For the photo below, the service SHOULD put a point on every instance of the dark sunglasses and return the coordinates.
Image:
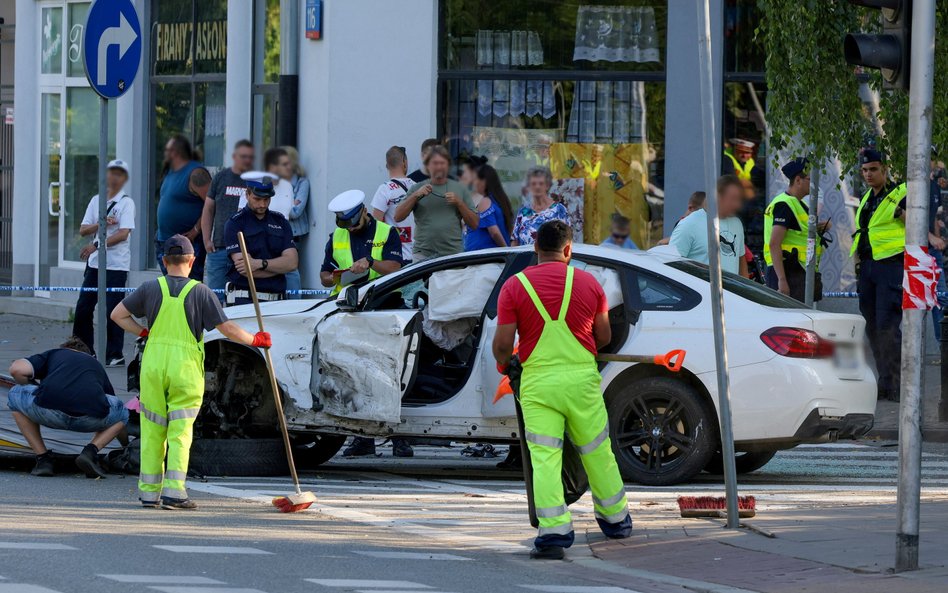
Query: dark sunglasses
(620, 237)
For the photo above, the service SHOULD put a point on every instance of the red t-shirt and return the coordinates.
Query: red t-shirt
(549, 280)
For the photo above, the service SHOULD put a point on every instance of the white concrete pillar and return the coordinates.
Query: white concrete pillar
(28, 196)
(239, 93)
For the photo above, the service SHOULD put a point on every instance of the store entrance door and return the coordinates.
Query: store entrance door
(49, 234)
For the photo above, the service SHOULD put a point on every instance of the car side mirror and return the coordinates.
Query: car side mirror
(351, 298)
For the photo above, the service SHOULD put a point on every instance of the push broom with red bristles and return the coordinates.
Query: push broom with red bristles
(299, 501)
(715, 507)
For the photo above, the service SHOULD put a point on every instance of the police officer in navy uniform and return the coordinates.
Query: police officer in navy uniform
(878, 245)
(359, 250)
(269, 244)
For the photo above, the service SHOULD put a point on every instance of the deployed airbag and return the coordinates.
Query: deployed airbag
(456, 294)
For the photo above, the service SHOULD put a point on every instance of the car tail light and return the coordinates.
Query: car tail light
(797, 343)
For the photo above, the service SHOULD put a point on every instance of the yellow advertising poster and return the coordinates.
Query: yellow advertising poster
(616, 180)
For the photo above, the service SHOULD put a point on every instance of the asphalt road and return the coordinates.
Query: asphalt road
(438, 522)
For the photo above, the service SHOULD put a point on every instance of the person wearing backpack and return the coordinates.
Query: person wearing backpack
(390, 194)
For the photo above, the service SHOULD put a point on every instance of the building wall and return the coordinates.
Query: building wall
(370, 83)
(26, 139)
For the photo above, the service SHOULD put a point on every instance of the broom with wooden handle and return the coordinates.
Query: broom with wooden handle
(299, 501)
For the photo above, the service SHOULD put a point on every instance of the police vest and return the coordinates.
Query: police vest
(794, 239)
(744, 172)
(886, 232)
(342, 249)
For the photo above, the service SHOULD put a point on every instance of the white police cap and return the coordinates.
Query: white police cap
(347, 201)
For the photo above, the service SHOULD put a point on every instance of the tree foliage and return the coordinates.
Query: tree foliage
(813, 94)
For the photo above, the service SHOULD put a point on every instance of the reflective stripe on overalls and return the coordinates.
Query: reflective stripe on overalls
(559, 393)
(172, 386)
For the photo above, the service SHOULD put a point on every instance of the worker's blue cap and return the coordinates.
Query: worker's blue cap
(871, 155)
(260, 183)
(178, 245)
(795, 167)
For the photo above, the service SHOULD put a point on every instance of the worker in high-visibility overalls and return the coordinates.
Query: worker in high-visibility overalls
(560, 385)
(178, 311)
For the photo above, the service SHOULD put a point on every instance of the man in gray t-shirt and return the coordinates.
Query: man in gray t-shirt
(203, 309)
(221, 204)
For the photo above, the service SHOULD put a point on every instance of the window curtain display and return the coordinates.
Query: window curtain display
(612, 112)
(616, 34)
(508, 48)
(516, 97)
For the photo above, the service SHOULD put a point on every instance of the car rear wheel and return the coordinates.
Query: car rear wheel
(311, 451)
(663, 431)
(746, 461)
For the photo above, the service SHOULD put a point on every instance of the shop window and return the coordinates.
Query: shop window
(52, 47)
(266, 73)
(574, 86)
(188, 73)
(743, 48)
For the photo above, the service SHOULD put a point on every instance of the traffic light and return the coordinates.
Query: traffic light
(888, 52)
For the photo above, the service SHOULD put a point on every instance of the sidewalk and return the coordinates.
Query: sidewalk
(841, 549)
(886, 425)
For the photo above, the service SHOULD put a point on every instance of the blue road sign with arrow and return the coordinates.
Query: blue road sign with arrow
(112, 47)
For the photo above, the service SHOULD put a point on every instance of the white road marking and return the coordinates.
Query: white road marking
(568, 589)
(367, 584)
(411, 555)
(206, 590)
(21, 588)
(155, 579)
(212, 550)
(33, 546)
(391, 591)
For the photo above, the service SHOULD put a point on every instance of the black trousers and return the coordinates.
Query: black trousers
(880, 302)
(85, 309)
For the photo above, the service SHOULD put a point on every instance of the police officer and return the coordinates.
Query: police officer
(359, 250)
(178, 310)
(269, 241)
(562, 317)
(786, 231)
(878, 245)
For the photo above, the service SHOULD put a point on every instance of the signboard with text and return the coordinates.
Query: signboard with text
(314, 19)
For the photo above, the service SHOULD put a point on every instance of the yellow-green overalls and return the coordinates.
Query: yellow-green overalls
(560, 392)
(172, 387)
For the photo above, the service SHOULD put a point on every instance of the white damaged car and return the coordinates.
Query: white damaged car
(409, 355)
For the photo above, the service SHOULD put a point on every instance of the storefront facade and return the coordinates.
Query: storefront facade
(604, 93)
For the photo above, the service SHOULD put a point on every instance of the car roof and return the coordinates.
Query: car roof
(650, 259)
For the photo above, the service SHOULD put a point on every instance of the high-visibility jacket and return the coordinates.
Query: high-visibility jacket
(794, 239)
(744, 172)
(342, 249)
(886, 232)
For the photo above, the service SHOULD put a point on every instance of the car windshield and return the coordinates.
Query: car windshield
(742, 287)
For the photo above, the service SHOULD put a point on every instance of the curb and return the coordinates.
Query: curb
(929, 434)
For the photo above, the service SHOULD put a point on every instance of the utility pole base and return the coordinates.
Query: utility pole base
(906, 552)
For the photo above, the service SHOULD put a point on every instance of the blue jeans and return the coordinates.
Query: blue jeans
(22, 399)
(215, 268)
(293, 283)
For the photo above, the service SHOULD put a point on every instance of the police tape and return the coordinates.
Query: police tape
(303, 292)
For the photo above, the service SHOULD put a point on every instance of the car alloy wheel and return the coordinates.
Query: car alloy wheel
(662, 431)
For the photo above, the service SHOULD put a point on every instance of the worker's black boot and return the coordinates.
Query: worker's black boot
(44, 465)
(88, 462)
(547, 553)
(360, 447)
(177, 504)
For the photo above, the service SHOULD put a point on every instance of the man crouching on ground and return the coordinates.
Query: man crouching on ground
(73, 393)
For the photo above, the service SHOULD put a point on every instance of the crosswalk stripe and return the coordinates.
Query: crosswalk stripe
(212, 549)
(576, 589)
(411, 555)
(23, 588)
(33, 546)
(190, 589)
(367, 584)
(149, 579)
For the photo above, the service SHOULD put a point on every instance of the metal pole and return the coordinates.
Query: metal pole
(709, 140)
(101, 307)
(811, 236)
(922, 71)
(288, 97)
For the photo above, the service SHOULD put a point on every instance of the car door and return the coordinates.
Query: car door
(366, 362)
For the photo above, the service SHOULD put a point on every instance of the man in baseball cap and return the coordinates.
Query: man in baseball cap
(178, 311)
(120, 220)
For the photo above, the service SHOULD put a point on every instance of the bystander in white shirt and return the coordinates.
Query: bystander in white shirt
(121, 210)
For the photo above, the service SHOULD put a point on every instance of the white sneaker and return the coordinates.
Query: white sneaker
(115, 362)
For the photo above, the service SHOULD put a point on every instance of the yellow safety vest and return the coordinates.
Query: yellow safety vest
(886, 232)
(342, 250)
(794, 239)
(744, 172)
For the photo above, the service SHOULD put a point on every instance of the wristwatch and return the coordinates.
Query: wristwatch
(264, 263)
(370, 259)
